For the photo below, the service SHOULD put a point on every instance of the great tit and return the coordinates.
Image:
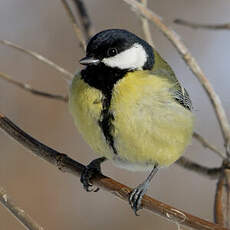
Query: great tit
(129, 107)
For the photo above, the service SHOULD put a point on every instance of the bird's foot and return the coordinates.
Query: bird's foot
(136, 196)
(90, 171)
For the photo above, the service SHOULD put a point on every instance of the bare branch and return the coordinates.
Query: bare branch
(76, 28)
(66, 164)
(28, 88)
(17, 212)
(225, 26)
(222, 198)
(192, 63)
(211, 173)
(205, 144)
(84, 18)
(68, 75)
(145, 26)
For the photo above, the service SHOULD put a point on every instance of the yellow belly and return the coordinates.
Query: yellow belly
(148, 127)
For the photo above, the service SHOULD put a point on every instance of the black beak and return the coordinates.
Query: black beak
(89, 61)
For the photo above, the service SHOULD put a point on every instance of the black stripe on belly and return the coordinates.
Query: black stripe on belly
(106, 123)
(104, 78)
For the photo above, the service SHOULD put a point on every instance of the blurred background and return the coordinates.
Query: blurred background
(57, 200)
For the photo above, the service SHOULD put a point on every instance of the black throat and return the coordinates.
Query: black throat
(104, 78)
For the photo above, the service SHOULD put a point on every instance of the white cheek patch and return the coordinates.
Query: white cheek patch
(133, 58)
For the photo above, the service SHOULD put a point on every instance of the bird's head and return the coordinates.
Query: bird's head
(116, 48)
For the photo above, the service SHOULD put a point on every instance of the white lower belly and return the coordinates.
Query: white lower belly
(122, 163)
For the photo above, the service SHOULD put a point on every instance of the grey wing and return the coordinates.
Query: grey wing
(181, 95)
(179, 92)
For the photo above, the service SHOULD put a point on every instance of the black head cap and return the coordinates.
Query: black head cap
(114, 41)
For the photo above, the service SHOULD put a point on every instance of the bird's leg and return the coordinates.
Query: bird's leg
(92, 169)
(136, 195)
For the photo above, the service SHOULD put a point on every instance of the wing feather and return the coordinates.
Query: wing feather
(162, 69)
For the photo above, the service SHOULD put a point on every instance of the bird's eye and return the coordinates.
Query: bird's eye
(112, 52)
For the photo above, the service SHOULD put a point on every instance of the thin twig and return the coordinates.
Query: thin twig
(225, 26)
(68, 75)
(206, 144)
(192, 63)
(28, 88)
(66, 164)
(145, 26)
(76, 28)
(27, 221)
(84, 18)
(211, 173)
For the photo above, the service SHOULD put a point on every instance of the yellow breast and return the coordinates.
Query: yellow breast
(85, 104)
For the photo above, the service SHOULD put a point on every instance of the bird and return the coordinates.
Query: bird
(130, 108)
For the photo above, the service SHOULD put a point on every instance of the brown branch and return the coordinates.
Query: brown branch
(145, 26)
(218, 209)
(28, 88)
(225, 26)
(74, 23)
(17, 212)
(66, 164)
(205, 144)
(68, 75)
(222, 198)
(85, 21)
(193, 65)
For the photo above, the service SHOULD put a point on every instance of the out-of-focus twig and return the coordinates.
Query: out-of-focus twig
(193, 65)
(218, 209)
(84, 18)
(225, 26)
(145, 26)
(222, 198)
(66, 164)
(17, 212)
(75, 25)
(68, 75)
(206, 144)
(211, 173)
(28, 88)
